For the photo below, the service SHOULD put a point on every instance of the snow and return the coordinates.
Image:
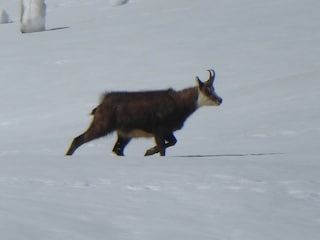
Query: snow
(248, 169)
(4, 17)
(33, 16)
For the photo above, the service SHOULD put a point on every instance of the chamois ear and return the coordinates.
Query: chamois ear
(199, 82)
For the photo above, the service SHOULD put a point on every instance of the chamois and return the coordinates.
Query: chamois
(147, 114)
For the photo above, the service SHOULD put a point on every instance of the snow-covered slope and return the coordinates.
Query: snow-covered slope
(245, 170)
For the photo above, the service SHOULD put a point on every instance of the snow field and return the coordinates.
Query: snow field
(246, 170)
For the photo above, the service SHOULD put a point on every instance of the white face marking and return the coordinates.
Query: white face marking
(203, 100)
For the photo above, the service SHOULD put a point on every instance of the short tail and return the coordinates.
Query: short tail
(93, 111)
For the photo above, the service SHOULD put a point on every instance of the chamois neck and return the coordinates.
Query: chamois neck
(189, 98)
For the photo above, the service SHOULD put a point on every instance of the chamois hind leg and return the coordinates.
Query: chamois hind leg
(160, 141)
(98, 128)
(120, 144)
(77, 142)
(87, 136)
(170, 140)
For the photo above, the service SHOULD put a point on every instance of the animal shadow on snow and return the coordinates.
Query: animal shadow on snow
(228, 155)
(57, 28)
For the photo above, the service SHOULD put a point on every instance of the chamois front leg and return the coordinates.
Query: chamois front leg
(170, 140)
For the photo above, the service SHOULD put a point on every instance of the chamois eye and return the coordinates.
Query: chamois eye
(208, 90)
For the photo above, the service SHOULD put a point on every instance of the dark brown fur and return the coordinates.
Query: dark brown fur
(141, 114)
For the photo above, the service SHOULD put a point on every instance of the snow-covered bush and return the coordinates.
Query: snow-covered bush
(4, 17)
(33, 14)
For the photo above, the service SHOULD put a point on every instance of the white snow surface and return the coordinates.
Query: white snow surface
(247, 170)
(33, 16)
(4, 17)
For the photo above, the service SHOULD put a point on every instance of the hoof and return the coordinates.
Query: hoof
(151, 151)
(118, 152)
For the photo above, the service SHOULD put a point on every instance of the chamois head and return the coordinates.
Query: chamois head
(207, 95)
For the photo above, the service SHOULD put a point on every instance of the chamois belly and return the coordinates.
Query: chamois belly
(135, 133)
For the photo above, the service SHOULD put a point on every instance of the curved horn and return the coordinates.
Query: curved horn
(212, 75)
